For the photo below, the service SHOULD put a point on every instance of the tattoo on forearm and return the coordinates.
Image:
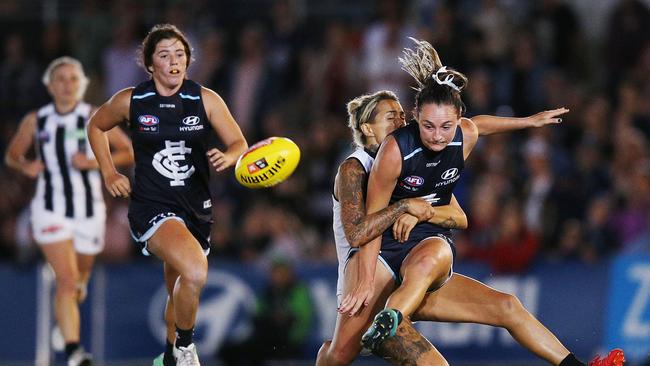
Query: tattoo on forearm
(406, 348)
(449, 223)
(359, 227)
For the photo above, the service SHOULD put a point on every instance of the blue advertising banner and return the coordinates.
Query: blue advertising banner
(628, 313)
(123, 316)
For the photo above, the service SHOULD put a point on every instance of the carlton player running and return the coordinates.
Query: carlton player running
(171, 119)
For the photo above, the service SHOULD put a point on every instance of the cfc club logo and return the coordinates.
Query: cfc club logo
(449, 173)
(148, 123)
(166, 162)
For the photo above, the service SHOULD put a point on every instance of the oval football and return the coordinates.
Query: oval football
(267, 163)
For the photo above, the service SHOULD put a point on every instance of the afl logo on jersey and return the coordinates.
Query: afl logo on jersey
(191, 124)
(148, 123)
(414, 181)
(449, 173)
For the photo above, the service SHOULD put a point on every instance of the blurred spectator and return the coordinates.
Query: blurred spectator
(119, 69)
(251, 82)
(284, 316)
(211, 69)
(539, 183)
(513, 247)
(520, 78)
(495, 26)
(20, 85)
(627, 34)
(286, 41)
(333, 72)
(90, 30)
(600, 239)
(382, 43)
(558, 31)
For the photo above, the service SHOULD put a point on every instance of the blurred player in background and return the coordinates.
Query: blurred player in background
(68, 214)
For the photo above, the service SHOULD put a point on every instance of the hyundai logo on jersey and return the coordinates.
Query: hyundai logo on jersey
(191, 124)
(449, 173)
(148, 123)
(191, 120)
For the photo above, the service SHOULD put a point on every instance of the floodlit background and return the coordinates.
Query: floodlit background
(559, 216)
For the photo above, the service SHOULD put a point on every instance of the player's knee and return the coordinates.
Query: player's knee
(67, 285)
(195, 274)
(341, 355)
(427, 267)
(510, 309)
(322, 353)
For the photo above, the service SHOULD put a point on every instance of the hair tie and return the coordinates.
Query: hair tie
(448, 79)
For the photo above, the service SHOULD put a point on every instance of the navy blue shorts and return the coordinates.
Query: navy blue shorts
(393, 252)
(146, 218)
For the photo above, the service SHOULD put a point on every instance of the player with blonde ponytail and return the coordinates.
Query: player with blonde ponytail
(426, 158)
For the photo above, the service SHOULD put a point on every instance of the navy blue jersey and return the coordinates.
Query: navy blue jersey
(425, 172)
(170, 140)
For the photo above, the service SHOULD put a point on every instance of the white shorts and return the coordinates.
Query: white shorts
(87, 234)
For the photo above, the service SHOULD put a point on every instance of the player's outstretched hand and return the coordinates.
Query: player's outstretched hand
(548, 117)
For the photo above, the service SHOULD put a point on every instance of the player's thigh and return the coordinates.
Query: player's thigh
(349, 329)
(431, 260)
(463, 299)
(175, 245)
(62, 258)
(85, 264)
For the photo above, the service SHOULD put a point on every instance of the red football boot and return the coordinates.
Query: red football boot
(616, 357)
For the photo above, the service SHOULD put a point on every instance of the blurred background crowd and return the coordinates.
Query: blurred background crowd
(578, 191)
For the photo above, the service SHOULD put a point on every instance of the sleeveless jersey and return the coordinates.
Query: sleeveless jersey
(61, 188)
(343, 248)
(170, 139)
(426, 173)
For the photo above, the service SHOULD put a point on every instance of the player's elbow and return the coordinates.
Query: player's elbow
(462, 221)
(354, 241)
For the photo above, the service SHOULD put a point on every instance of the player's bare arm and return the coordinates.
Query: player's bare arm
(488, 125)
(360, 228)
(112, 113)
(20, 144)
(226, 128)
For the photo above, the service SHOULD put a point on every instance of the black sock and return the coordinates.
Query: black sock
(184, 337)
(571, 360)
(168, 358)
(70, 348)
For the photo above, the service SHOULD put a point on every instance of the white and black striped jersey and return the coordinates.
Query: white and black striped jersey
(61, 188)
(342, 246)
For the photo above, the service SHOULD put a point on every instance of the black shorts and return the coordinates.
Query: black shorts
(393, 252)
(146, 217)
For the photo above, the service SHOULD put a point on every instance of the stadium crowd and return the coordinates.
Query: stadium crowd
(575, 191)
